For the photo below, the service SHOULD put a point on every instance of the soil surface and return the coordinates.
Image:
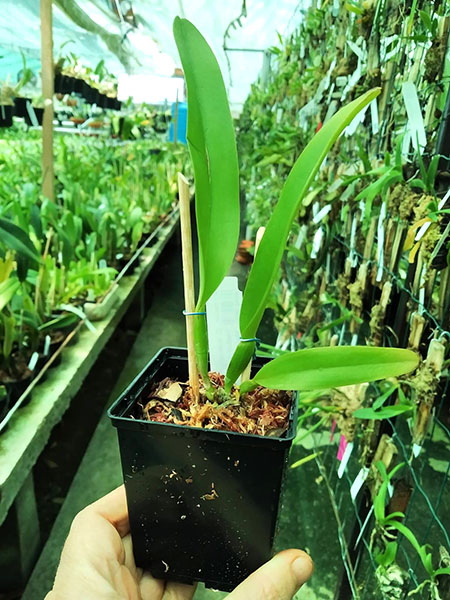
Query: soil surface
(260, 412)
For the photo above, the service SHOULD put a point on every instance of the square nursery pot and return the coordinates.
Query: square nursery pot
(203, 504)
(38, 113)
(20, 106)
(6, 115)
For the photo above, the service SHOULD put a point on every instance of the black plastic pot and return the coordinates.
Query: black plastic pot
(203, 504)
(102, 100)
(6, 115)
(39, 112)
(16, 389)
(21, 106)
(89, 93)
(78, 85)
(4, 403)
(58, 87)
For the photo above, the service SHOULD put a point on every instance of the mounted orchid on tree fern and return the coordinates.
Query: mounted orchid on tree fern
(212, 144)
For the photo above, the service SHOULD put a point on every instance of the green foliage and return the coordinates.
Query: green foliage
(390, 523)
(56, 255)
(211, 139)
(324, 368)
(267, 261)
(212, 146)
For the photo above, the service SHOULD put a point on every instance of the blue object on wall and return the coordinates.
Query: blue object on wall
(181, 124)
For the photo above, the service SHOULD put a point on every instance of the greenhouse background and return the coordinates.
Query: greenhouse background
(93, 113)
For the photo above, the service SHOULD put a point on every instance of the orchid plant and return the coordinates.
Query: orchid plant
(212, 144)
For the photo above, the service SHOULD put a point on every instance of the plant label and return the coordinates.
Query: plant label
(32, 114)
(345, 455)
(415, 120)
(380, 246)
(351, 129)
(359, 481)
(374, 116)
(223, 323)
(48, 341)
(33, 361)
(317, 242)
(322, 213)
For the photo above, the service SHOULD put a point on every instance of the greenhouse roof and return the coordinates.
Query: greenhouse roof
(135, 36)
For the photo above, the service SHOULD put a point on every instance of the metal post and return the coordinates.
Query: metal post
(47, 71)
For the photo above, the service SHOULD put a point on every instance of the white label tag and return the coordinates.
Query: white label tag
(358, 51)
(350, 129)
(358, 483)
(32, 114)
(415, 119)
(380, 247)
(374, 116)
(353, 256)
(390, 489)
(317, 242)
(33, 361)
(223, 323)
(345, 459)
(301, 236)
(322, 213)
(416, 449)
(48, 341)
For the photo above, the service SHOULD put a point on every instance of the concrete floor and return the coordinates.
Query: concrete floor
(100, 471)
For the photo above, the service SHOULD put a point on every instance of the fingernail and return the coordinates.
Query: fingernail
(302, 568)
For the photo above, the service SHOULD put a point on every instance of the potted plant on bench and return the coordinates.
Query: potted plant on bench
(203, 461)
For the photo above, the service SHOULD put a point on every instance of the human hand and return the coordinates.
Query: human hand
(97, 563)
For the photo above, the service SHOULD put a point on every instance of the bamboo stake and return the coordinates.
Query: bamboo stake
(396, 246)
(188, 279)
(247, 371)
(47, 92)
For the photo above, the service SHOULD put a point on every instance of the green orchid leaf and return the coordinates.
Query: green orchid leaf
(331, 367)
(421, 550)
(378, 403)
(267, 261)
(35, 220)
(17, 239)
(443, 571)
(7, 290)
(212, 144)
(9, 328)
(379, 502)
(387, 557)
(384, 413)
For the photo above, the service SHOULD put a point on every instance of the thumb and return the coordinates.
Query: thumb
(279, 578)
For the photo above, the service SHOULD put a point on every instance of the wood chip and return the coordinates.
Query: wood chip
(172, 393)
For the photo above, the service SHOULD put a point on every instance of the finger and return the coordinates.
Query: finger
(151, 588)
(279, 578)
(113, 507)
(179, 591)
